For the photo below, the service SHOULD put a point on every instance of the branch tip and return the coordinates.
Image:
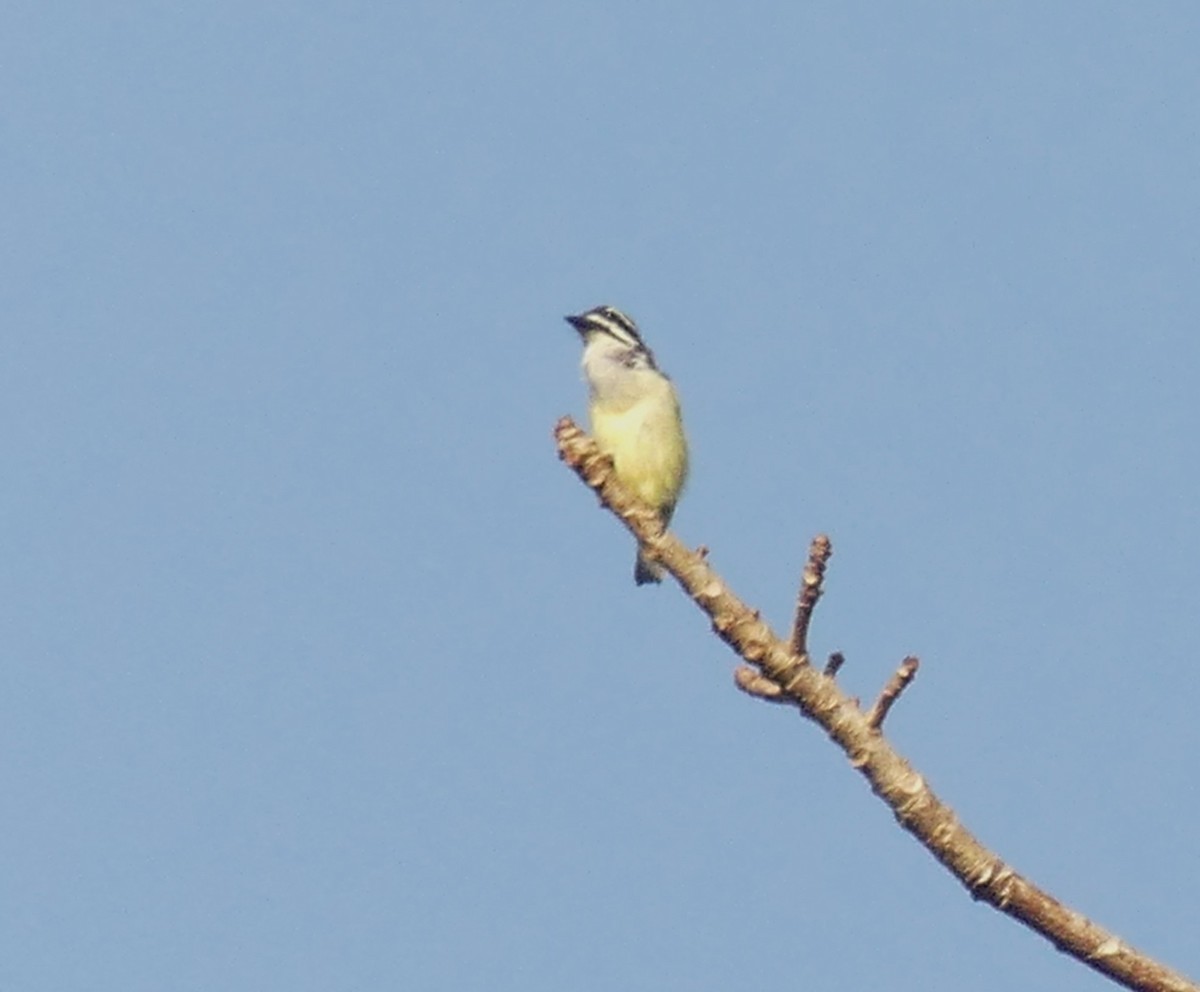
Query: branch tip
(754, 683)
(891, 692)
(810, 591)
(834, 664)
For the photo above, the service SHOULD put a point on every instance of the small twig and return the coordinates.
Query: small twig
(834, 664)
(810, 591)
(891, 692)
(754, 683)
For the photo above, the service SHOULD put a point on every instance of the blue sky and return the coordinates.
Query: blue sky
(320, 672)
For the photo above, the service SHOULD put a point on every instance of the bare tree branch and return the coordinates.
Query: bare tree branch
(834, 664)
(810, 591)
(891, 692)
(754, 683)
(818, 697)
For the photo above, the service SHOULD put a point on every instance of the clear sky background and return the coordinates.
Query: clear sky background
(321, 673)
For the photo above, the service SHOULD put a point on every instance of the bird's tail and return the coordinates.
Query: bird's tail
(646, 571)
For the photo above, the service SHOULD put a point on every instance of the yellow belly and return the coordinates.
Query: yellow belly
(648, 449)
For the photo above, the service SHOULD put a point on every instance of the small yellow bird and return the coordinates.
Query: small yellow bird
(634, 412)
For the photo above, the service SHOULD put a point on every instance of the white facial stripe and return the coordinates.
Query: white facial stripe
(612, 322)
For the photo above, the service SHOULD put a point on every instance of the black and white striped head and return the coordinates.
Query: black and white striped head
(615, 333)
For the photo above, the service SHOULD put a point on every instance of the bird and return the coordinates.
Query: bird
(635, 417)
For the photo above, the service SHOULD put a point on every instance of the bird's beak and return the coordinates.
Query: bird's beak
(576, 321)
